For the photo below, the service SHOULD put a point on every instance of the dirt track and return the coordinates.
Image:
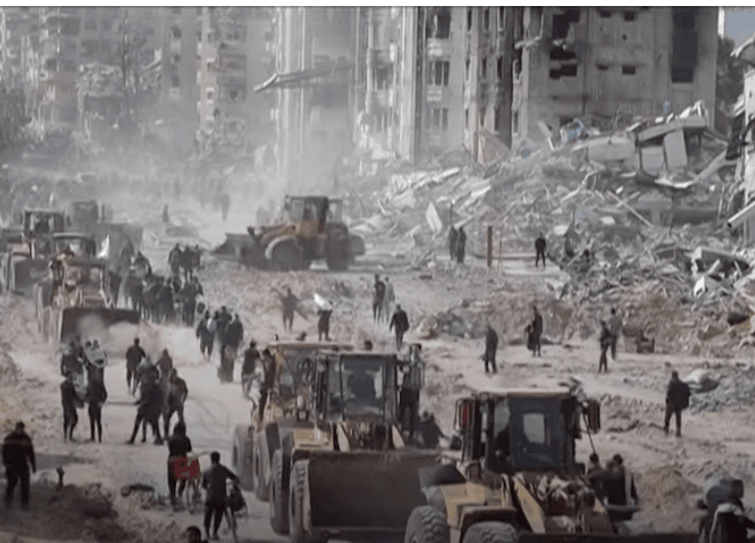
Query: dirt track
(667, 468)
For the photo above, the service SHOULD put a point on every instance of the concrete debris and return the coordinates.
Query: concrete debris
(734, 389)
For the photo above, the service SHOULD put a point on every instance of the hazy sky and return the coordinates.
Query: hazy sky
(740, 24)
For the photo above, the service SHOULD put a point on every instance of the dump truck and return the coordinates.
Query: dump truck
(518, 478)
(79, 301)
(255, 444)
(29, 249)
(312, 229)
(352, 476)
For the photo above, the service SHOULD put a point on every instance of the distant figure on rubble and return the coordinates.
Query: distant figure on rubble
(377, 299)
(323, 323)
(400, 322)
(453, 240)
(568, 248)
(166, 217)
(534, 332)
(491, 345)
(614, 326)
(289, 302)
(605, 343)
(461, 244)
(619, 483)
(677, 399)
(540, 249)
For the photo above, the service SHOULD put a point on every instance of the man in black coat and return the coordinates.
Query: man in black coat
(70, 402)
(251, 357)
(491, 345)
(96, 396)
(537, 331)
(677, 399)
(150, 408)
(18, 453)
(540, 249)
(400, 322)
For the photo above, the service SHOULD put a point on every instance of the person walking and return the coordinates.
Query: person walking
(605, 343)
(677, 399)
(70, 402)
(389, 298)
(540, 249)
(96, 397)
(96, 362)
(289, 302)
(323, 323)
(537, 330)
(214, 480)
(400, 322)
(491, 345)
(453, 240)
(205, 335)
(377, 299)
(18, 454)
(614, 326)
(165, 366)
(134, 356)
(461, 245)
(268, 380)
(179, 445)
(249, 367)
(149, 409)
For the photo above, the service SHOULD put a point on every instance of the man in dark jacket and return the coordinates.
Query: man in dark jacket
(214, 480)
(377, 299)
(179, 445)
(400, 322)
(204, 335)
(491, 345)
(323, 323)
(605, 343)
(96, 397)
(18, 453)
(234, 334)
(461, 244)
(677, 399)
(251, 356)
(150, 407)
(540, 249)
(224, 318)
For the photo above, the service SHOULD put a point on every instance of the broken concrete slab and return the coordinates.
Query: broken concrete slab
(675, 151)
(652, 159)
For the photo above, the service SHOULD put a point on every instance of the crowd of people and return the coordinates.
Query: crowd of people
(221, 332)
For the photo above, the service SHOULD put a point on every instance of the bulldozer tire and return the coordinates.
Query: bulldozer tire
(490, 532)
(337, 263)
(242, 457)
(279, 487)
(286, 257)
(297, 530)
(261, 490)
(426, 525)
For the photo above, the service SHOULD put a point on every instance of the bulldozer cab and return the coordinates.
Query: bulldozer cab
(521, 431)
(84, 213)
(81, 245)
(311, 214)
(42, 222)
(356, 386)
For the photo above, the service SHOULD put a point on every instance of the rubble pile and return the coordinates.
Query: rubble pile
(642, 208)
(737, 388)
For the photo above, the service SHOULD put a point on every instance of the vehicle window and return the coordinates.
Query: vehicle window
(362, 383)
(535, 429)
(297, 210)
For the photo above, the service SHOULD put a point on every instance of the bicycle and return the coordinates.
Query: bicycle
(191, 472)
(235, 506)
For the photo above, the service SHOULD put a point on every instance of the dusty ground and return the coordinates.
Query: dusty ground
(669, 470)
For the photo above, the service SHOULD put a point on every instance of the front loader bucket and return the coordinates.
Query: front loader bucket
(365, 490)
(590, 538)
(241, 248)
(93, 321)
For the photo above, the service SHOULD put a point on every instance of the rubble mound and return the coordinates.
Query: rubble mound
(737, 388)
(668, 501)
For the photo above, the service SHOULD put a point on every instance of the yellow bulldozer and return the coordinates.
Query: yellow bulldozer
(76, 301)
(312, 229)
(351, 475)
(518, 479)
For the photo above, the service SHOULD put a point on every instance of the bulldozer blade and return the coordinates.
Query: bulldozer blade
(241, 248)
(89, 321)
(365, 490)
(600, 538)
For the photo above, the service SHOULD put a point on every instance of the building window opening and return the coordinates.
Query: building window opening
(469, 18)
(175, 81)
(486, 19)
(569, 70)
(682, 75)
(499, 68)
(559, 53)
(561, 23)
(684, 39)
(484, 69)
(630, 16)
(176, 59)
(497, 120)
(517, 65)
(439, 119)
(466, 118)
(604, 13)
(628, 70)
(440, 24)
(438, 73)
(515, 122)
(382, 78)
(175, 32)
(501, 19)
(602, 67)
(466, 68)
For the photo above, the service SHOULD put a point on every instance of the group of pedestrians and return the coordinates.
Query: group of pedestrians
(383, 298)
(457, 243)
(224, 330)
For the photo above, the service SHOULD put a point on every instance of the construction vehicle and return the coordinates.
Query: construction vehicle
(29, 249)
(351, 476)
(255, 444)
(518, 478)
(311, 229)
(79, 302)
